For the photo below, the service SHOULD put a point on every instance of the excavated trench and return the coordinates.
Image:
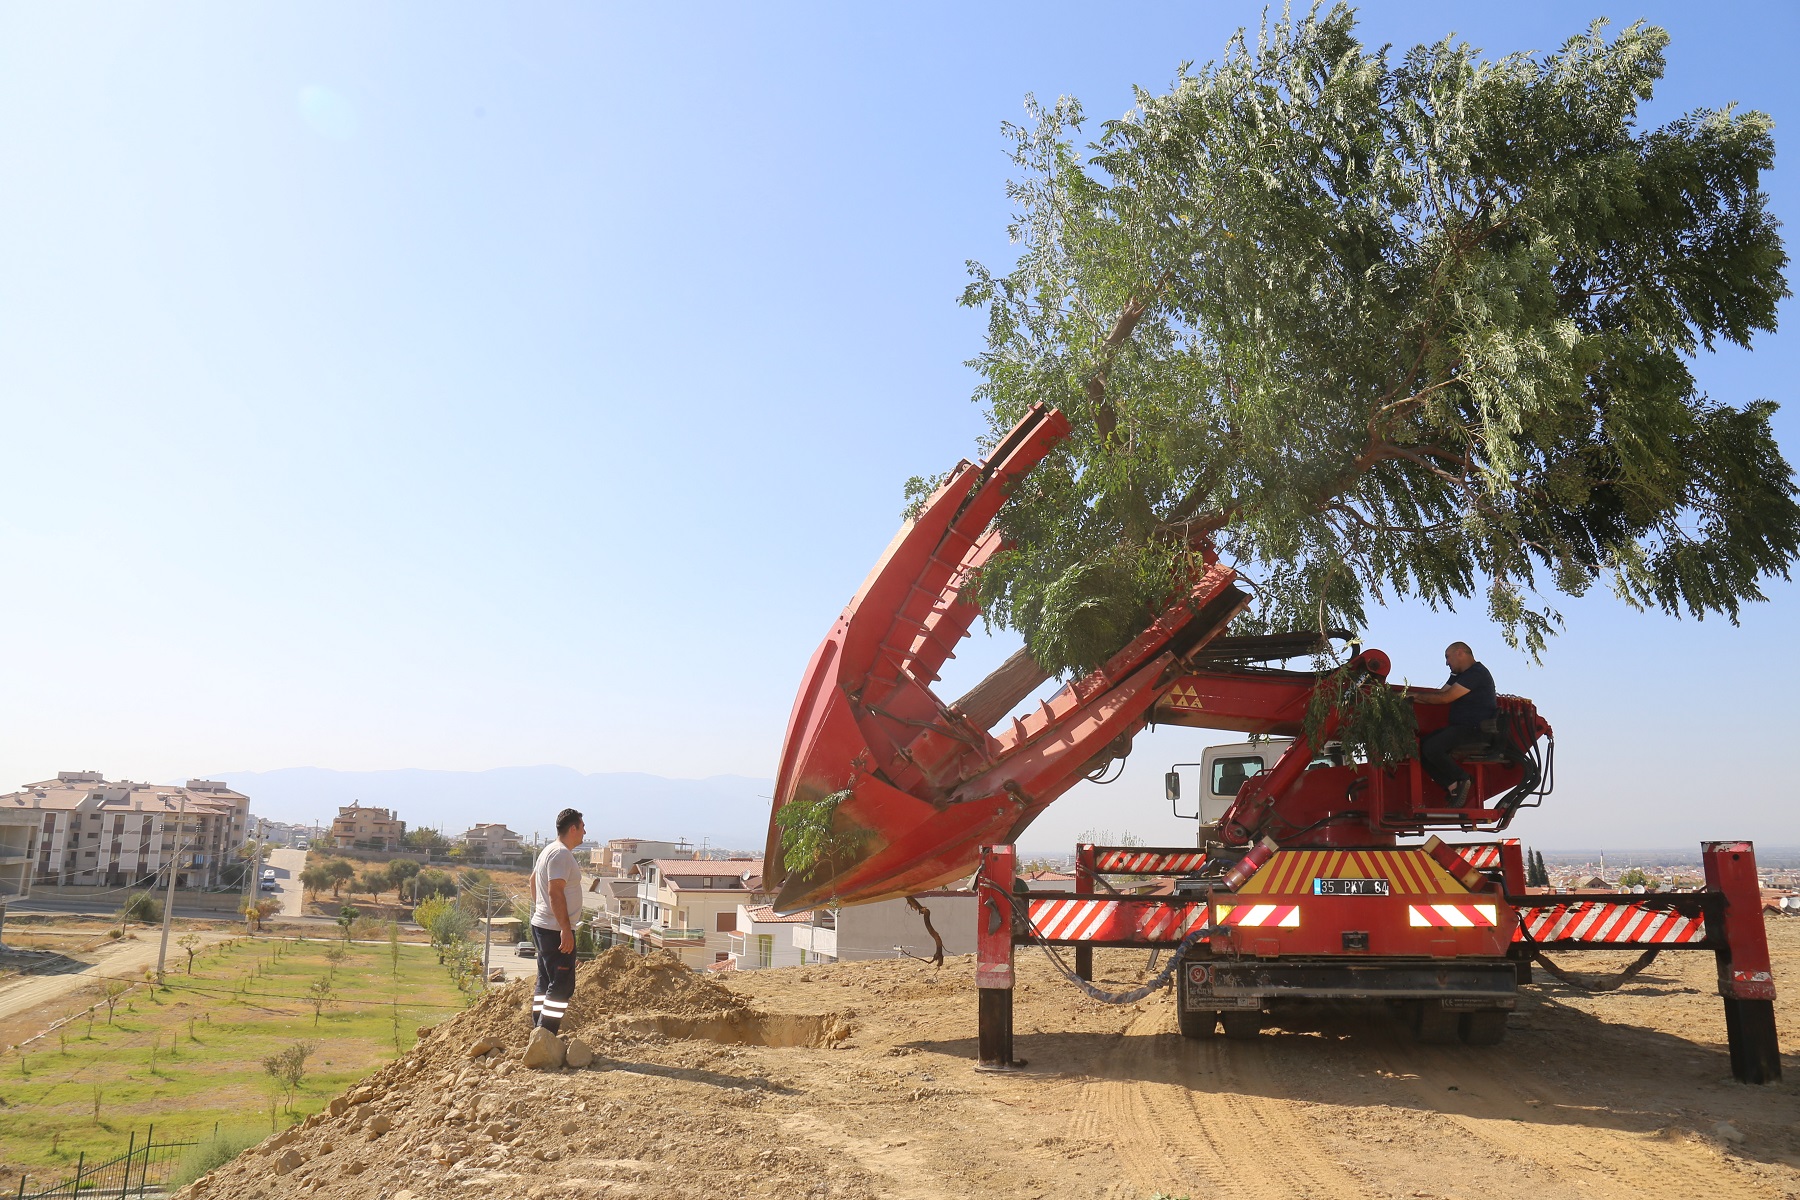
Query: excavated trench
(746, 1027)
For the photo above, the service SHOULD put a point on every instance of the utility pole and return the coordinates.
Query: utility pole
(162, 952)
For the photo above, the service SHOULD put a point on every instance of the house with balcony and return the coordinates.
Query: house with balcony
(93, 832)
(689, 906)
(489, 842)
(360, 827)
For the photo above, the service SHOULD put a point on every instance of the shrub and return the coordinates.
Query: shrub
(211, 1153)
(141, 906)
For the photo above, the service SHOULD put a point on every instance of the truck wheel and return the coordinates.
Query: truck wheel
(1241, 1023)
(1484, 1028)
(1201, 1024)
(1434, 1026)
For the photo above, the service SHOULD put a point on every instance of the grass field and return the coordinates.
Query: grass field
(189, 1057)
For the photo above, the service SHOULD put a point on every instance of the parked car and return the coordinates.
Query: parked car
(269, 885)
(525, 950)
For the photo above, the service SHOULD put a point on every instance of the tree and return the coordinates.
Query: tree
(111, 991)
(340, 872)
(346, 918)
(445, 922)
(315, 879)
(255, 912)
(1635, 877)
(429, 841)
(320, 995)
(190, 943)
(1370, 329)
(287, 1068)
(373, 882)
(431, 882)
(400, 872)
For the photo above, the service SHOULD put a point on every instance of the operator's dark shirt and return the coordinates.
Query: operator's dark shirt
(1479, 704)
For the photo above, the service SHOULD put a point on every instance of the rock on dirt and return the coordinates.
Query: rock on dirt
(544, 1050)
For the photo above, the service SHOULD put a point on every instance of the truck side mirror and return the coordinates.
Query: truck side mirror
(1172, 786)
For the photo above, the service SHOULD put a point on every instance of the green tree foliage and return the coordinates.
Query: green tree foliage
(432, 882)
(373, 882)
(1536, 873)
(445, 921)
(400, 871)
(315, 879)
(807, 835)
(1374, 326)
(340, 872)
(428, 840)
(1636, 877)
(141, 906)
(287, 1067)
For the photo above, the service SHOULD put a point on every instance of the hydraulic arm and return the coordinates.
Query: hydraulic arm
(918, 785)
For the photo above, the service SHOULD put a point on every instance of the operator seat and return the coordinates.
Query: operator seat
(1501, 746)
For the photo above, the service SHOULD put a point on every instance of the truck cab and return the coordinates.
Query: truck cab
(1221, 772)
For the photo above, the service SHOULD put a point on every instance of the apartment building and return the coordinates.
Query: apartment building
(690, 906)
(359, 827)
(95, 832)
(491, 841)
(18, 853)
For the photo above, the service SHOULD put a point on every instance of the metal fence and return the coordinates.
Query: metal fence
(141, 1170)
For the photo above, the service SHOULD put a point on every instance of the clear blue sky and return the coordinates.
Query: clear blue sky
(460, 386)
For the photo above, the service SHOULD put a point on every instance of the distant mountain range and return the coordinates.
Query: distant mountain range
(729, 811)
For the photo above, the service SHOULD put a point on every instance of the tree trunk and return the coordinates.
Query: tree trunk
(988, 702)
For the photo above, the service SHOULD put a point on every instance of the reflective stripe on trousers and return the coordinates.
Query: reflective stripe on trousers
(555, 979)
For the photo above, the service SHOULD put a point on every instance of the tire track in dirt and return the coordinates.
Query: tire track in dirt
(1184, 1117)
(1493, 1107)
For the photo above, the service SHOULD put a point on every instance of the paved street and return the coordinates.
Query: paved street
(287, 865)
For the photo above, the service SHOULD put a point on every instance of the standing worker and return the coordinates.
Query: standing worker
(555, 903)
(1470, 694)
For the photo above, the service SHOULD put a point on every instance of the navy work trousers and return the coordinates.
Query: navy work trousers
(555, 981)
(1434, 753)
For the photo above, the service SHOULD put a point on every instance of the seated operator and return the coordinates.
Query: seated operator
(1470, 695)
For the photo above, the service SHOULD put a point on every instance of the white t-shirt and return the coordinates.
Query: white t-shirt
(556, 867)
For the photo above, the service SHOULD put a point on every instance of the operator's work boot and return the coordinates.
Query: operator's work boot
(1457, 794)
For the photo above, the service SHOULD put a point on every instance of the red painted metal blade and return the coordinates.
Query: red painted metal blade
(922, 790)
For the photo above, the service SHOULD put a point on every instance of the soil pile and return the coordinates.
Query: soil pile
(620, 981)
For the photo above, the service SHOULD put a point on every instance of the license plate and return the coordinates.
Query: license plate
(1350, 887)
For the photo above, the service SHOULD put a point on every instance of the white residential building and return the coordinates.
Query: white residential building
(765, 939)
(889, 929)
(620, 855)
(689, 906)
(114, 834)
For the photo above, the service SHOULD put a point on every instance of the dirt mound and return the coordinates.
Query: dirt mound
(621, 982)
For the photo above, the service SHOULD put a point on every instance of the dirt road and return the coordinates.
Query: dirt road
(855, 1082)
(119, 960)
